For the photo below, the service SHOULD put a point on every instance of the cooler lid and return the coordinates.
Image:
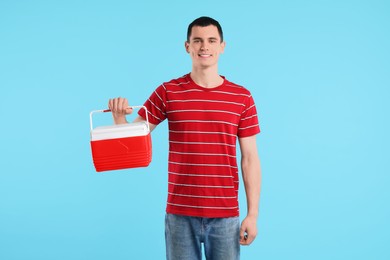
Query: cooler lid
(119, 131)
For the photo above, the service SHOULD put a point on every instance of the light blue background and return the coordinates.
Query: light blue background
(319, 73)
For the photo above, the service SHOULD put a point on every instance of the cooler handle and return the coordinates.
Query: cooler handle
(108, 110)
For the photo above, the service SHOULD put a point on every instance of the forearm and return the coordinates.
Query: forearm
(251, 172)
(120, 120)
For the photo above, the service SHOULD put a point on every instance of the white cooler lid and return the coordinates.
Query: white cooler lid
(119, 131)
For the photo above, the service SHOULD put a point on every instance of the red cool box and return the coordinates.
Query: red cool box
(121, 146)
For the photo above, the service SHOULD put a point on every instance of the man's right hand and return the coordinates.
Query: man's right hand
(120, 108)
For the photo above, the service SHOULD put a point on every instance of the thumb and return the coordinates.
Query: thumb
(242, 233)
(129, 110)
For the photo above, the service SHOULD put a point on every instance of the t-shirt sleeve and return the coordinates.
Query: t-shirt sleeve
(156, 106)
(249, 122)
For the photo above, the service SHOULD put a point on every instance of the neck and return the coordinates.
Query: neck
(207, 78)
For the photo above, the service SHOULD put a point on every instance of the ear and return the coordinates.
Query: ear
(223, 45)
(187, 45)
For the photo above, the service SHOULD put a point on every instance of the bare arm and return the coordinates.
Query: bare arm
(120, 108)
(251, 173)
(141, 119)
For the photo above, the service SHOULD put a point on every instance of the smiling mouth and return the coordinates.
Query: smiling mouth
(204, 55)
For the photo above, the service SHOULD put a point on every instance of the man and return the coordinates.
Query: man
(206, 113)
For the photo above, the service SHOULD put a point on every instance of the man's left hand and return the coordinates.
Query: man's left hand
(248, 231)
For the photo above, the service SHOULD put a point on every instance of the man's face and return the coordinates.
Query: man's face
(204, 46)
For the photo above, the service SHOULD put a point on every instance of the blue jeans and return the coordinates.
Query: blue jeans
(184, 237)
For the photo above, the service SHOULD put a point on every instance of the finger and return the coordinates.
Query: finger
(125, 105)
(250, 239)
(243, 237)
(129, 110)
(117, 105)
(113, 105)
(242, 234)
(110, 104)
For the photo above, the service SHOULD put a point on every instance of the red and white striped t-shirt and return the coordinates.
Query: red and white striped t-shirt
(203, 128)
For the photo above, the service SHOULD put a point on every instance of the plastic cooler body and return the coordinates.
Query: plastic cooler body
(121, 146)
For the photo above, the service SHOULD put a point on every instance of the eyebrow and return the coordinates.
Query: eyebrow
(199, 38)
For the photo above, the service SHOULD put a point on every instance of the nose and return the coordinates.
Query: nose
(204, 47)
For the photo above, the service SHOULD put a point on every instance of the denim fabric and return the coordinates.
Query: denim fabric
(185, 235)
